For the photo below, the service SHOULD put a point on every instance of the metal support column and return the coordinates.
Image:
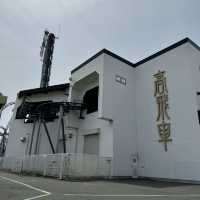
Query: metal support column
(37, 138)
(49, 138)
(63, 135)
(59, 126)
(32, 134)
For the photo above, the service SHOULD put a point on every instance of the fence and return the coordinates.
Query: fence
(60, 165)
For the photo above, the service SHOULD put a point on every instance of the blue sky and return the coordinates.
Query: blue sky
(134, 29)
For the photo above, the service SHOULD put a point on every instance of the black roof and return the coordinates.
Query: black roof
(169, 48)
(173, 46)
(60, 87)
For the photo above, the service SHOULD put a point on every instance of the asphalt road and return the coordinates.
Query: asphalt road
(17, 187)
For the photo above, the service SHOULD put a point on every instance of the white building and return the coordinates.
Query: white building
(122, 119)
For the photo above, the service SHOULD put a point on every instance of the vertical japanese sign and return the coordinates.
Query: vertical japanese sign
(163, 119)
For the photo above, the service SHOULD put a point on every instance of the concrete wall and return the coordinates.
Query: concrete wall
(18, 129)
(60, 165)
(182, 160)
(119, 105)
(95, 66)
(126, 117)
(83, 80)
(91, 125)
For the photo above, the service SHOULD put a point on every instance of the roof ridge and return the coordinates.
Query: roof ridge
(162, 51)
(146, 59)
(108, 52)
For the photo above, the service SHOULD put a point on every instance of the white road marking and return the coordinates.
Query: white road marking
(134, 195)
(29, 186)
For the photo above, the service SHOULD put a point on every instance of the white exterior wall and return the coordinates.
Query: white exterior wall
(119, 105)
(126, 116)
(19, 129)
(182, 160)
(92, 123)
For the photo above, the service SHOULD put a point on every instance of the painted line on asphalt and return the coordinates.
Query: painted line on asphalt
(30, 187)
(134, 195)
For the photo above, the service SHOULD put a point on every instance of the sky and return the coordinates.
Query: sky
(133, 29)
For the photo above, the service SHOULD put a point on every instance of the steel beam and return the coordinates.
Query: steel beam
(37, 138)
(32, 134)
(59, 124)
(63, 135)
(49, 138)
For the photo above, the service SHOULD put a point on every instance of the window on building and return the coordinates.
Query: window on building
(90, 99)
(120, 79)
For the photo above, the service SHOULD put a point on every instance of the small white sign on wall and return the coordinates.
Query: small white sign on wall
(120, 79)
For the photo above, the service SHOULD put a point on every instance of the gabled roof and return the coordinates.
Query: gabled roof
(169, 48)
(60, 87)
(98, 54)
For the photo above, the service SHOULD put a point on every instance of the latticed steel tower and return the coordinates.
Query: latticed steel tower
(46, 55)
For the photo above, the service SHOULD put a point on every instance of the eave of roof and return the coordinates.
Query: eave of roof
(60, 87)
(169, 48)
(98, 54)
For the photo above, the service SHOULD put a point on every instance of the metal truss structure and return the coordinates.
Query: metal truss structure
(43, 112)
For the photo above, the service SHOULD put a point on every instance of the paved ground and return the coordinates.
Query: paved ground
(14, 187)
